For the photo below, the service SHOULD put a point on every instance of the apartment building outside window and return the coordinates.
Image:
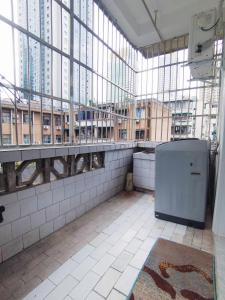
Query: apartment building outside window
(70, 57)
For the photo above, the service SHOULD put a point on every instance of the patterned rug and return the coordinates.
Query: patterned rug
(174, 271)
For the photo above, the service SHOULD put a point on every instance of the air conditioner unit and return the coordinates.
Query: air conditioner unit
(201, 44)
(58, 127)
(137, 120)
(46, 127)
(119, 121)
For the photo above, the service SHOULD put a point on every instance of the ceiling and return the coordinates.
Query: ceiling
(173, 17)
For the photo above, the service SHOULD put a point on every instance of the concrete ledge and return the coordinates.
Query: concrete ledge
(148, 144)
(21, 154)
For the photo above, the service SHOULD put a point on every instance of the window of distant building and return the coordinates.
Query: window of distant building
(6, 139)
(46, 138)
(140, 134)
(47, 119)
(57, 120)
(6, 116)
(58, 139)
(26, 139)
(123, 134)
(140, 113)
(85, 115)
(26, 118)
(183, 129)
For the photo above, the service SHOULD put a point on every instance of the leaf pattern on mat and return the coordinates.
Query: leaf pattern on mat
(193, 296)
(163, 266)
(161, 282)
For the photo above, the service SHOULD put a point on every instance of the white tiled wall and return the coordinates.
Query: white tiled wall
(36, 212)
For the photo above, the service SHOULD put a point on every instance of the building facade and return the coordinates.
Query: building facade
(134, 121)
(183, 117)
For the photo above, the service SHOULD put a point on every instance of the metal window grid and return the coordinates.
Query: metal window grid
(96, 70)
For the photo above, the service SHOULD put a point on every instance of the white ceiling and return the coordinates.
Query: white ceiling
(173, 17)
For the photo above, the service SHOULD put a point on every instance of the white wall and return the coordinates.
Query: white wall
(219, 210)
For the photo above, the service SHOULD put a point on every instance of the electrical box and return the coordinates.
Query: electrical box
(201, 44)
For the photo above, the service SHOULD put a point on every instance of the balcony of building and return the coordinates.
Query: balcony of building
(91, 91)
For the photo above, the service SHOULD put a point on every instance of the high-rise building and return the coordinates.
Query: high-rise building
(46, 66)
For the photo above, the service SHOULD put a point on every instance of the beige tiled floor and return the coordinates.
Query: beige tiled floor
(97, 256)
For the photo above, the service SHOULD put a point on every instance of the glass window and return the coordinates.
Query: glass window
(58, 139)
(46, 119)
(26, 139)
(140, 134)
(47, 139)
(6, 116)
(26, 118)
(58, 121)
(140, 113)
(6, 139)
(123, 134)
